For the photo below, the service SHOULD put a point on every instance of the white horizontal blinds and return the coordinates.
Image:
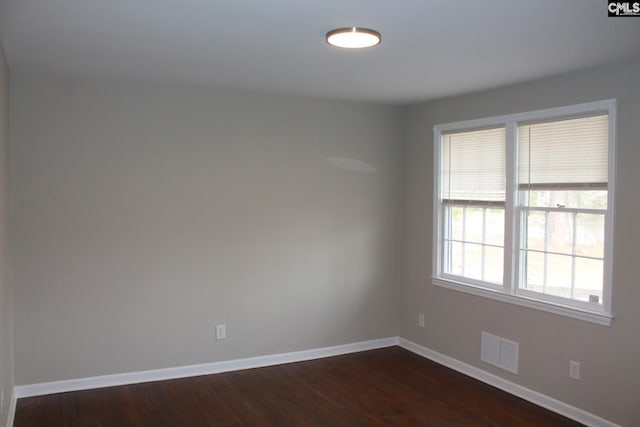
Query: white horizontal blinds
(473, 166)
(564, 153)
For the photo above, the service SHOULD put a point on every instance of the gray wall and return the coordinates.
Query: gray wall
(143, 215)
(6, 329)
(608, 355)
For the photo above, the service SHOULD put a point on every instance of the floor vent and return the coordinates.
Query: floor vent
(499, 352)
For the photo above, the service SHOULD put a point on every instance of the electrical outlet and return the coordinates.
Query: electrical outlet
(574, 369)
(221, 332)
(2, 401)
(421, 320)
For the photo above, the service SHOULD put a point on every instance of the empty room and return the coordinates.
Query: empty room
(290, 213)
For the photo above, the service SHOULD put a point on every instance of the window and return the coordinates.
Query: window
(473, 196)
(523, 209)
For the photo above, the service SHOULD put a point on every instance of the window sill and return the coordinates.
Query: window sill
(588, 316)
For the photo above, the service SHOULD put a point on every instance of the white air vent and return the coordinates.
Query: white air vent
(500, 352)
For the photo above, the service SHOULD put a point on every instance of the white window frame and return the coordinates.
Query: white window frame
(509, 291)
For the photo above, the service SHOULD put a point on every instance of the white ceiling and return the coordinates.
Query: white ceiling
(430, 49)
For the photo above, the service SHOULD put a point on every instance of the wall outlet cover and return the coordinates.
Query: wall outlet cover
(221, 331)
(574, 369)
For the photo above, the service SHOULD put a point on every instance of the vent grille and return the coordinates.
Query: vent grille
(499, 352)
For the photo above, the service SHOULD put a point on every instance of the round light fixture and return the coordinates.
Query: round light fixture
(353, 37)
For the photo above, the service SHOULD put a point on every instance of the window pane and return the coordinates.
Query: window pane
(589, 276)
(493, 264)
(593, 199)
(534, 271)
(540, 198)
(536, 233)
(584, 199)
(454, 258)
(590, 235)
(559, 275)
(473, 225)
(560, 232)
(456, 224)
(495, 227)
(472, 261)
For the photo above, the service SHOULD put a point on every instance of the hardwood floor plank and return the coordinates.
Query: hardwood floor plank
(387, 387)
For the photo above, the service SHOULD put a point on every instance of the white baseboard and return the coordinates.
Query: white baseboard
(539, 399)
(12, 408)
(195, 370)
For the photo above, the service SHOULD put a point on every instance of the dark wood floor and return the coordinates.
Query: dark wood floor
(387, 387)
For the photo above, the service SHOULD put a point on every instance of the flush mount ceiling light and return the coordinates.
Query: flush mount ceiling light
(353, 37)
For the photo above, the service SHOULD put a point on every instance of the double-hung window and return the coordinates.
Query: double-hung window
(523, 209)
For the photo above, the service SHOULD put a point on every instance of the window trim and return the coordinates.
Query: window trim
(509, 291)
